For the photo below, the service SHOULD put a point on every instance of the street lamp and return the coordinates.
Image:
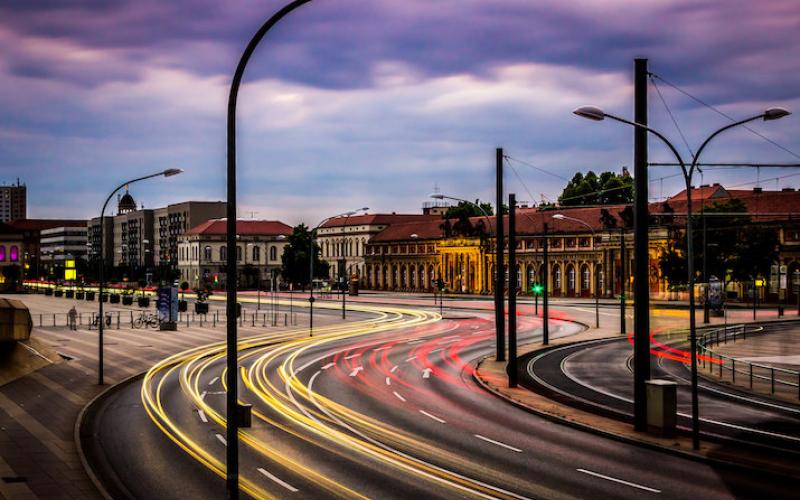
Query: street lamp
(499, 306)
(597, 114)
(311, 266)
(101, 319)
(596, 274)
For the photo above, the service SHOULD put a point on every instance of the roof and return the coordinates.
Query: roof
(39, 224)
(377, 219)
(704, 192)
(430, 229)
(243, 227)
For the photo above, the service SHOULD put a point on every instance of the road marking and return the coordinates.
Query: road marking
(214, 381)
(277, 480)
(412, 358)
(620, 481)
(448, 341)
(388, 381)
(498, 443)
(426, 373)
(203, 396)
(401, 398)
(353, 356)
(478, 333)
(434, 417)
(202, 415)
(436, 350)
(415, 341)
(327, 366)
(394, 368)
(382, 348)
(222, 439)
(356, 370)
(451, 337)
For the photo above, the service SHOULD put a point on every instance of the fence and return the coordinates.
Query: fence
(747, 371)
(129, 319)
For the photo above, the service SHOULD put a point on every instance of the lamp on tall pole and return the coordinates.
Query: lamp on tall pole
(597, 114)
(311, 265)
(101, 272)
(596, 280)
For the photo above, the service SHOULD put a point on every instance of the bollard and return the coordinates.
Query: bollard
(40, 320)
(215, 319)
(733, 370)
(720, 366)
(744, 332)
(131, 319)
(54, 319)
(772, 379)
(264, 319)
(751, 375)
(285, 320)
(117, 320)
(253, 318)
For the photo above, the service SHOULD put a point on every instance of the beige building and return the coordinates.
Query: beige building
(202, 252)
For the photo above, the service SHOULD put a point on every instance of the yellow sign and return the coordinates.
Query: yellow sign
(759, 282)
(69, 264)
(70, 274)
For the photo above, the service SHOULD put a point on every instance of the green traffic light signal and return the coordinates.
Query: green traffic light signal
(537, 288)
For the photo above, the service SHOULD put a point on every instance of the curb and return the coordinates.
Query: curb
(617, 437)
(86, 412)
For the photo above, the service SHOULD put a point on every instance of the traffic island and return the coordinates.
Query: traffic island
(491, 375)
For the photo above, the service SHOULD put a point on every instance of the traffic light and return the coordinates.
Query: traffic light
(537, 288)
(216, 279)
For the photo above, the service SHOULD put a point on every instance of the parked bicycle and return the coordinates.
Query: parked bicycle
(146, 320)
(96, 322)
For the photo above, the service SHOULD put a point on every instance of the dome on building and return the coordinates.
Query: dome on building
(126, 203)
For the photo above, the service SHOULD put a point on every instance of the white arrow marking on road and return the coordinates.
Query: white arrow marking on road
(426, 373)
(401, 398)
(498, 443)
(282, 483)
(222, 439)
(388, 381)
(620, 481)
(353, 356)
(356, 370)
(434, 417)
(213, 381)
(202, 415)
(327, 366)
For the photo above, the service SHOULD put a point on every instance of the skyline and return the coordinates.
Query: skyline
(347, 104)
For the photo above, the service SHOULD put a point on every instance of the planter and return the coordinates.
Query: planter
(48, 291)
(201, 307)
(143, 301)
(69, 294)
(79, 295)
(90, 296)
(183, 306)
(114, 298)
(59, 293)
(127, 300)
(104, 297)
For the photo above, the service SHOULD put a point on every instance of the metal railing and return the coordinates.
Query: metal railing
(128, 319)
(715, 362)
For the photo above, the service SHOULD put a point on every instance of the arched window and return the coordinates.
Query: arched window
(557, 277)
(256, 253)
(223, 253)
(14, 253)
(571, 277)
(585, 278)
(238, 253)
(273, 253)
(207, 252)
(2, 253)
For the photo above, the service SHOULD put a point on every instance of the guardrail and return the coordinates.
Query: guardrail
(712, 360)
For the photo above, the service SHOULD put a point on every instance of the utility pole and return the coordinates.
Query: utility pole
(641, 283)
(545, 290)
(499, 268)
(511, 368)
(622, 281)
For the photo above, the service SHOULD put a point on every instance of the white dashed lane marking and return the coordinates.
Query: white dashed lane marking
(498, 443)
(277, 480)
(434, 417)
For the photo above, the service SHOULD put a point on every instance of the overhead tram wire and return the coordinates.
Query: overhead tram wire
(672, 117)
(530, 165)
(721, 113)
(519, 177)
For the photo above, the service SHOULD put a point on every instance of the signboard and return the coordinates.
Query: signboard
(782, 277)
(167, 305)
(70, 273)
(715, 295)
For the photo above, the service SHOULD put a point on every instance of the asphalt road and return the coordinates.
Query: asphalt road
(382, 407)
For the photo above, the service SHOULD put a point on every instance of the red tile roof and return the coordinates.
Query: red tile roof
(424, 230)
(243, 227)
(378, 219)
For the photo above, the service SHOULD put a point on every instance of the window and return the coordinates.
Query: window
(585, 281)
(223, 253)
(557, 277)
(256, 253)
(571, 278)
(238, 253)
(273, 253)
(207, 252)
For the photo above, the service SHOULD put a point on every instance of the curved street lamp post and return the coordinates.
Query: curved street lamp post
(597, 114)
(101, 272)
(596, 273)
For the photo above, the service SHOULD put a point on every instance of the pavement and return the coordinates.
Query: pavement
(38, 411)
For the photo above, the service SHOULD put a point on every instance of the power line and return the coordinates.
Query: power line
(672, 117)
(524, 186)
(536, 168)
(721, 113)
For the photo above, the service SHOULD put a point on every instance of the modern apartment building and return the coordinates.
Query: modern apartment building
(13, 202)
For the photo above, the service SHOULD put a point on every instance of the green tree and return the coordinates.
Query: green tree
(590, 189)
(295, 258)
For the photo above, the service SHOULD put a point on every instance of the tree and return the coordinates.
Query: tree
(466, 209)
(607, 189)
(737, 249)
(295, 258)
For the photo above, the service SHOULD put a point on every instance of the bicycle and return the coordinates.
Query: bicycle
(96, 322)
(146, 320)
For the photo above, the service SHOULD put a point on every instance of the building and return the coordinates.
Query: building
(31, 231)
(343, 240)
(143, 243)
(13, 202)
(12, 252)
(583, 256)
(59, 244)
(202, 252)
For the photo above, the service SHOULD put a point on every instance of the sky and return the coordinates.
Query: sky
(353, 103)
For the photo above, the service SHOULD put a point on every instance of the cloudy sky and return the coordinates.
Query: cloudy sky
(352, 103)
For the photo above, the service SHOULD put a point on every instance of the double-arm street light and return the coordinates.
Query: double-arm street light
(101, 272)
(597, 114)
(311, 266)
(499, 306)
(596, 273)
